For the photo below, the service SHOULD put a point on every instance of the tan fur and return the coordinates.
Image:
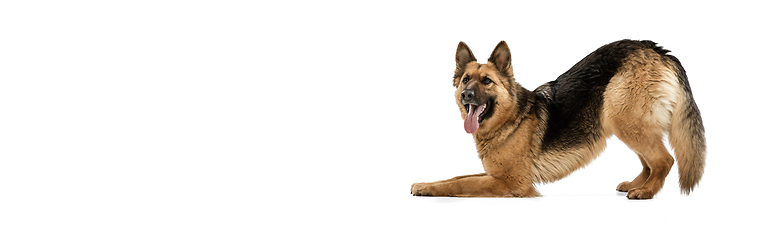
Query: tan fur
(554, 165)
(637, 109)
(642, 102)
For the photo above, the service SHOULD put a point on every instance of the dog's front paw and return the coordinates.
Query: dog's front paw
(421, 189)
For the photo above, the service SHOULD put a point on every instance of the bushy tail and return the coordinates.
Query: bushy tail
(686, 135)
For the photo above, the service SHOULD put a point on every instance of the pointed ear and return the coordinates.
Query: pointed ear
(463, 57)
(501, 57)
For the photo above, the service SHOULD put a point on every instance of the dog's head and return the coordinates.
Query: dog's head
(484, 92)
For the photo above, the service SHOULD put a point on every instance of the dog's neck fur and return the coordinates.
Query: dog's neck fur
(488, 140)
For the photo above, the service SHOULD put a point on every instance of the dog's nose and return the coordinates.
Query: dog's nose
(467, 95)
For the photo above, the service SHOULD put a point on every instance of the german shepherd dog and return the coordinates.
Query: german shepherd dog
(632, 89)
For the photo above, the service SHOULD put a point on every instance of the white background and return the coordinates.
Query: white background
(300, 120)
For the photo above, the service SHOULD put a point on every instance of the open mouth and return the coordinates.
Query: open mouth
(476, 115)
(480, 111)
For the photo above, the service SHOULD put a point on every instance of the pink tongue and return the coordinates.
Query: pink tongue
(472, 119)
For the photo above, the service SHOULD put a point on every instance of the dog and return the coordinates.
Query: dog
(632, 89)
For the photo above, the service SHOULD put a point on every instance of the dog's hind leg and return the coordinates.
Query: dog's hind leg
(637, 107)
(656, 160)
(639, 180)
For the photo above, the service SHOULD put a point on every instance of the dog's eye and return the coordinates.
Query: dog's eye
(486, 81)
(466, 79)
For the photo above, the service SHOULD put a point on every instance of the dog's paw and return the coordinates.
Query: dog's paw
(421, 189)
(625, 186)
(641, 193)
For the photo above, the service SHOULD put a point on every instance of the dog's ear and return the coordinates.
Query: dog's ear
(463, 57)
(501, 57)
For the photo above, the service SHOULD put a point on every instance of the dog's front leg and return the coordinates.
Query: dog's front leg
(478, 185)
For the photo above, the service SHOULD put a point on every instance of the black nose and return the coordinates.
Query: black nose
(467, 95)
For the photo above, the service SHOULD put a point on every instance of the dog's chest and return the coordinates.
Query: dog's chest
(512, 157)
